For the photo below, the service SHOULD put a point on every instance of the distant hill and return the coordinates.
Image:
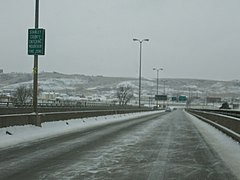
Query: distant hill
(76, 84)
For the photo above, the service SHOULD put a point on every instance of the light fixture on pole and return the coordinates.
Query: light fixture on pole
(140, 69)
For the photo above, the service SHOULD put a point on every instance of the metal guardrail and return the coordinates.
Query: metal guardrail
(229, 124)
(54, 103)
(228, 112)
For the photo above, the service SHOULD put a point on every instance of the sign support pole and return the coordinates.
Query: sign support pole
(35, 69)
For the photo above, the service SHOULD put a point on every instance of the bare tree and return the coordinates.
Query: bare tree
(23, 93)
(124, 94)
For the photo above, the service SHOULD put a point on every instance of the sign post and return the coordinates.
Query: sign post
(36, 46)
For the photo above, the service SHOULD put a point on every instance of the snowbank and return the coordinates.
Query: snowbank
(27, 133)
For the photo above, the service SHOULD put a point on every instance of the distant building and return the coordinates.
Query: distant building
(235, 106)
(214, 99)
(45, 96)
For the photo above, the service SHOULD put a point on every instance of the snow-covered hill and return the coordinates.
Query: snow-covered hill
(106, 86)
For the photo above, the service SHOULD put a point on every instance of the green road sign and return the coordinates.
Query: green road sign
(182, 98)
(36, 41)
(160, 97)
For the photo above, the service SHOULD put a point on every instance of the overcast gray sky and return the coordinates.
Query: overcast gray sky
(188, 38)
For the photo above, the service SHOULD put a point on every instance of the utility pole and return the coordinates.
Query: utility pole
(35, 68)
(36, 46)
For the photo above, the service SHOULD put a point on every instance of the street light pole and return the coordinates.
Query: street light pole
(157, 69)
(140, 69)
(164, 83)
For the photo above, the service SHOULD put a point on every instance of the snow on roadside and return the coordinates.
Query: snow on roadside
(227, 148)
(27, 133)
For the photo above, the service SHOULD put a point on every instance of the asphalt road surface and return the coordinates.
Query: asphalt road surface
(154, 147)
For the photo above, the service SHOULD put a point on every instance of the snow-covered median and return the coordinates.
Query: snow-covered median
(27, 133)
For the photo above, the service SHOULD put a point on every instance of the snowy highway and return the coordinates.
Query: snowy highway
(152, 146)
